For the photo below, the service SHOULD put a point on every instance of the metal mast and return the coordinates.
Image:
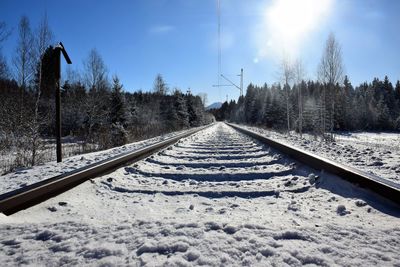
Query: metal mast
(241, 81)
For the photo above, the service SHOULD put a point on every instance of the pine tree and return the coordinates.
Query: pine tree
(388, 93)
(397, 92)
(249, 103)
(118, 117)
(195, 110)
(118, 105)
(311, 116)
(383, 117)
(169, 116)
(181, 110)
(347, 96)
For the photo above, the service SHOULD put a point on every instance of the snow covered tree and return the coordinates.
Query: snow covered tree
(118, 105)
(181, 109)
(119, 135)
(118, 114)
(73, 99)
(311, 116)
(383, 116)
(169, 115)
(195, 110)
(28, 69)
(397, 92)
(250, 104)
(347, 94)
(397, 124)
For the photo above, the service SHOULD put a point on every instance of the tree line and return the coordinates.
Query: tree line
(95, 109)
(320, 107)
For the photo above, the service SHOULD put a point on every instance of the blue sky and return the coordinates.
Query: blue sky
(178, 38)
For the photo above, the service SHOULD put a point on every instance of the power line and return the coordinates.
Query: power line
(219, 45)
(219, 85)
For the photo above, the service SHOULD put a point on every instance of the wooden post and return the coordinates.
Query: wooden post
(57, 71)
(57, 62)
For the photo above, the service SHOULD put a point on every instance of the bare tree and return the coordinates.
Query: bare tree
(23, 59)
(4, 34)
(287, 75)
(160, 87)
(95, 71)
(4, 72)
(27, 62)
(203, 97)
(299, 73)
(43, 38)
(330, 72)
(95, 76)
(72, 75)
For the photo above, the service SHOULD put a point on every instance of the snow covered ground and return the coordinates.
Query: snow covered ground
(27, 176)
(376, 153)
(46, 153)
(216, 198)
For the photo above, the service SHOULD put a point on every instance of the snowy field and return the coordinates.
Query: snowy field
(216, 198)
(27, 176)
(376, 153)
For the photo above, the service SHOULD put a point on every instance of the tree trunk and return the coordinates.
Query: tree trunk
(287, 108)
(300, 113)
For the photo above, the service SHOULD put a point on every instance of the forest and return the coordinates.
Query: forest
(371, 106)
(96, 110)
(324, 106)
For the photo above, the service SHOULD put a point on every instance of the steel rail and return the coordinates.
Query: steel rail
(383, 187)
(33, 194)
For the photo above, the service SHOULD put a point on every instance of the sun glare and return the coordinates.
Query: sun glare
(288, 22)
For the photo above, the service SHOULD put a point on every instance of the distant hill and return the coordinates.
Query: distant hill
(214, 105)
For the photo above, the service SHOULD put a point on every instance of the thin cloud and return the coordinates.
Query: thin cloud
(161, 29)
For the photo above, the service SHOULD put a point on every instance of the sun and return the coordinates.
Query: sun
(289, 22)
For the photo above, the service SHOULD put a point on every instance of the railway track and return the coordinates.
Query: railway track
(221, 163)
(218, 163)
(381, 186)
(217, 197)
(30, 195)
